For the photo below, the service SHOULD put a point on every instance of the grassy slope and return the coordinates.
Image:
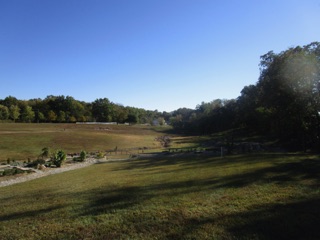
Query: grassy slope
(255, 196)
(23, 141)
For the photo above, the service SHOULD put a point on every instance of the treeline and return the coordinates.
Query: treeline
(63, 109)
(284, 103)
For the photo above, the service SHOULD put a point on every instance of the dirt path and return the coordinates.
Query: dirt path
(39, 174)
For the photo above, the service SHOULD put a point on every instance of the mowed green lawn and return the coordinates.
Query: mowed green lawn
(23, 141)
(195, 196)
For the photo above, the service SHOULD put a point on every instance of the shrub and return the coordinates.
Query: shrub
(83, 156)
(58, 158)
(13, 171)
(45, 152)
(36, 162)
(100, 155)
(15, 163)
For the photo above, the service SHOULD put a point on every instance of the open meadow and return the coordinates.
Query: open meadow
(164, 195)
(20, 141)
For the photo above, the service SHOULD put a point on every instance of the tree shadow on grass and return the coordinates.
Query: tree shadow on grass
(102, 201)
(297, 220)
(282, 173)
(28, 214)
(307, 169)
(274, 171)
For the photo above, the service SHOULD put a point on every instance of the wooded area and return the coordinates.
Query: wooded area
(61, 109)
(285, 103)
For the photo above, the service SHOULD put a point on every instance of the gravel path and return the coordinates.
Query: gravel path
(39, 174)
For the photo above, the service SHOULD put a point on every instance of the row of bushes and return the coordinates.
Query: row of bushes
(13, 171)
(56, 158)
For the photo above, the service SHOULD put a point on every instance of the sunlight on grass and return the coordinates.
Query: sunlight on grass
(23, 141)
(252, 196)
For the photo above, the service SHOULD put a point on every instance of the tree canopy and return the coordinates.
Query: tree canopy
(284, 102)
(63, 109)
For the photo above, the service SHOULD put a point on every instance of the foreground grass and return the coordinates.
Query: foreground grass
(265, 196)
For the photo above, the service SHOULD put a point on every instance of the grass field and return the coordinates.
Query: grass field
(23, 141)
(162, 196)
(254, 196)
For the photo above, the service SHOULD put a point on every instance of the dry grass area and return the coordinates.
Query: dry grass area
(23, 141)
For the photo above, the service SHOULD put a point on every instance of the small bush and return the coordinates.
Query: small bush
(15, 163)
(100, 155)
(58, 158)
(36, 162)
(12, 171)
(48, 164)
(83, 156)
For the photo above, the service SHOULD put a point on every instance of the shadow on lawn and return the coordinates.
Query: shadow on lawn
(277, 171)
(307, 169)
(28, 214)
(106, 201)
(191, 158)
(297, 219)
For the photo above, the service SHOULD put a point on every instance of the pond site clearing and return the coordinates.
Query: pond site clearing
(154, 192)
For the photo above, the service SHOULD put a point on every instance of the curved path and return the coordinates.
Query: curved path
(39, 174)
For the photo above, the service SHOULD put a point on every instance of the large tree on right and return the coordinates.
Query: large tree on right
(289, 89)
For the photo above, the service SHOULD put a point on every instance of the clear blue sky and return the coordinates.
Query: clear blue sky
(152, 54)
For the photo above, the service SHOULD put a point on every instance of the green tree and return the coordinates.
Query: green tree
(72, 119)
(39, 116)
(9, 101)
(61, 116)
(27, 114)
(4, 112)
(161, 121)
(119, 113)
(51, 116)
(14, 111)
(248, 102)
(289, 87)
(132, 118)
(102, 110)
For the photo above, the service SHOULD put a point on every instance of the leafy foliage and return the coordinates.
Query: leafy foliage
(66, 109)
(58, 158)
(45, 152)
(83, 155)
(285, 102)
